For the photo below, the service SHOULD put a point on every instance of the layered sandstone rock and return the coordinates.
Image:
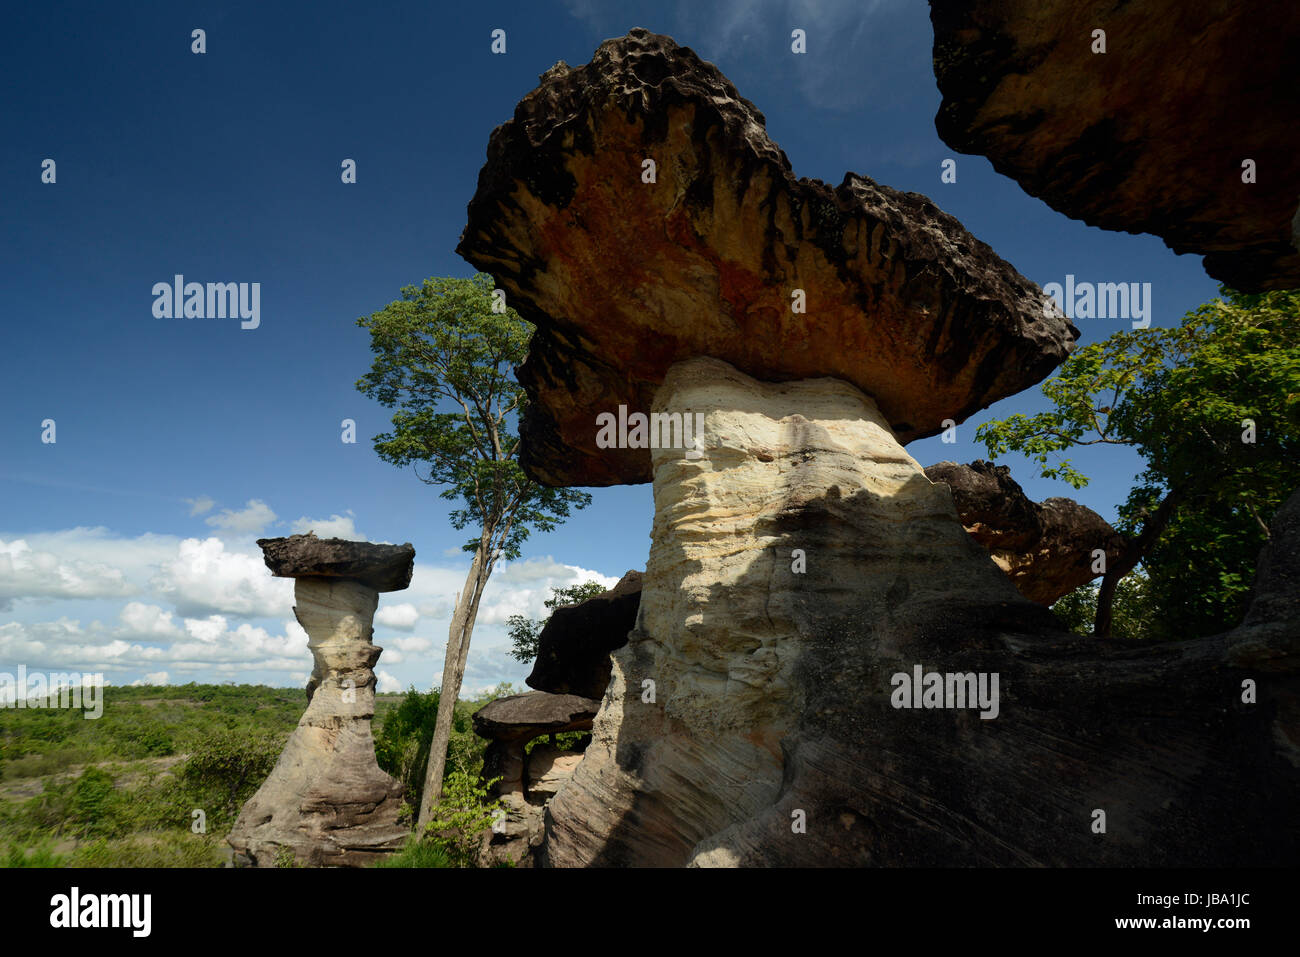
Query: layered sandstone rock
(804, 573)
(772, 737)
(573, 648)
(1149, 136)
(624, 277)
(326, 802)
(1046, 549)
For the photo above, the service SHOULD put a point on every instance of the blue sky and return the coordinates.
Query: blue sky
(127, 545)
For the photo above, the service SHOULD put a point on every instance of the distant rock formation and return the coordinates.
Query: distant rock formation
(826, 669)
(1149, 136)
(527, 780)
(1046, 550)
(573, 648)
(327, 803)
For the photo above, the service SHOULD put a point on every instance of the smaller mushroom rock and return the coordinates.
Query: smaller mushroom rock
(1046, 549)
(573, 648)
(327, 802)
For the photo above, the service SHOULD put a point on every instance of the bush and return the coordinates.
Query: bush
(461, 817)
(225, 769)
(418, 853)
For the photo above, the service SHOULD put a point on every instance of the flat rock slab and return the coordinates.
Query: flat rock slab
(526, 716)
(382, 567)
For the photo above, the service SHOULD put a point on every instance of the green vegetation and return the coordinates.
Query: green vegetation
(1213, 406)
(121, 790)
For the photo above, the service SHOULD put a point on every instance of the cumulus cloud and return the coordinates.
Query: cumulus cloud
(148, 622)
(152, 678)
(206, 577)
(402, 617)
(26, 572)
(386, 683)
(252, 519)
(210, 647)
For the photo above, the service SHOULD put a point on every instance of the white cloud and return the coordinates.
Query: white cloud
(148, 622)
(200, 505)
(26, 572)
(386, 683)
(206, 577)
(336, 526)
(402, 617)
(152, 678)
(252, 519)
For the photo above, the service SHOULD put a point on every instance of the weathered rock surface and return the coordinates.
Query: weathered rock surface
(326, 802)
(1046, 549)
(624, 277)
(1149, 136)
(573, 648)
(527, 781)
(381, 567)
(774, 689)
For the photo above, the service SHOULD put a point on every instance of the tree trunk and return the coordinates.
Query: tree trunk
(1136, 548)
(453, 671)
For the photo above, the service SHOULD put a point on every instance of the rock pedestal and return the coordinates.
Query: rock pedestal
(326, 802)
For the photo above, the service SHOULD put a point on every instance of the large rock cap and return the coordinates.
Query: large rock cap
(1150, 135)
(382, 567)
(624, 276)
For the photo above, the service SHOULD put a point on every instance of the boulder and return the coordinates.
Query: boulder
(727, 254)
(1149, 136)
(1046, 549)
(573, 648)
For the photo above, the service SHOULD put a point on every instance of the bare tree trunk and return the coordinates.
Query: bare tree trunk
(453, 671)
(1128, 560)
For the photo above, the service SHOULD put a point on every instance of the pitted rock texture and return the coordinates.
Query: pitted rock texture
(1046, 549)
(382, 567)
(326, 802)
(573, 648)
(1147, 137)
(757, 688)
(624, 277)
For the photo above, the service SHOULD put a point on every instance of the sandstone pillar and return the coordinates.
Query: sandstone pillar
(327, 802)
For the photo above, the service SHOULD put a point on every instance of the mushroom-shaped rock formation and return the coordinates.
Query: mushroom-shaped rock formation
(825, 667)
(1149, 136)
(527, 781)
(573, 648)
(635, 211)
(1046, 549)
(326, 801)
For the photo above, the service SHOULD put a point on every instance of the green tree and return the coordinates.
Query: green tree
(1131, 608)
(226, 768)
(525, 631)
(1213, 406)
(444, 358)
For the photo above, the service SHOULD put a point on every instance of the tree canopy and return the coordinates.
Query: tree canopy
(1213, 407)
